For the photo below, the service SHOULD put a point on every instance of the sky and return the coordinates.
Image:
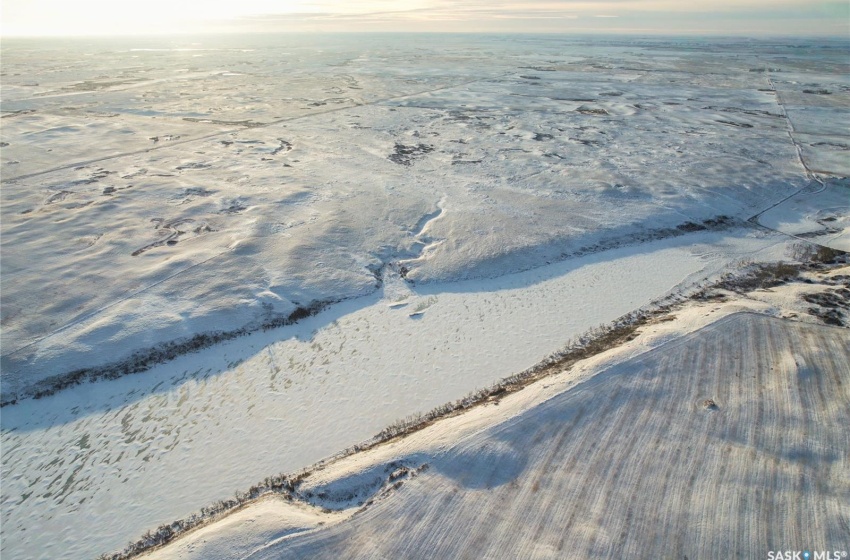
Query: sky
(670, 17)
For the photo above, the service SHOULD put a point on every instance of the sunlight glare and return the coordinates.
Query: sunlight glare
(110, 17)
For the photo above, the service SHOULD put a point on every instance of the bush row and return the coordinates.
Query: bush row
(143, 360)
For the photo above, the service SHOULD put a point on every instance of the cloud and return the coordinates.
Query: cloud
(637, 16)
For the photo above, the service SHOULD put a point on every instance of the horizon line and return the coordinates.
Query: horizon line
(636, 32)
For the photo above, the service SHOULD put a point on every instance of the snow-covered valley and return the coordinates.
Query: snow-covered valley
(461, 208)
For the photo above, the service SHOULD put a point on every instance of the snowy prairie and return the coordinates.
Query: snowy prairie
(718, 431)
(438, 212)
(155, 191)
(728, 442)
(219, 421)
(706, 434)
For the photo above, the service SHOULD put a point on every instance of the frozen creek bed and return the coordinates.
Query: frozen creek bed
(526, 190)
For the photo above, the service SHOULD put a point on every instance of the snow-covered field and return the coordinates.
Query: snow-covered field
(470, 203)
(152, 194)
(820, 215)
(718, 431)
(631, 463)
(187, 433)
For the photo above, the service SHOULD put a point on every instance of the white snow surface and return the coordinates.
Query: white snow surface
(323, 169)
(821, 216)
(163, 444)
(153, 189)
(632, 462)
(736, 351)
(267, 521)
